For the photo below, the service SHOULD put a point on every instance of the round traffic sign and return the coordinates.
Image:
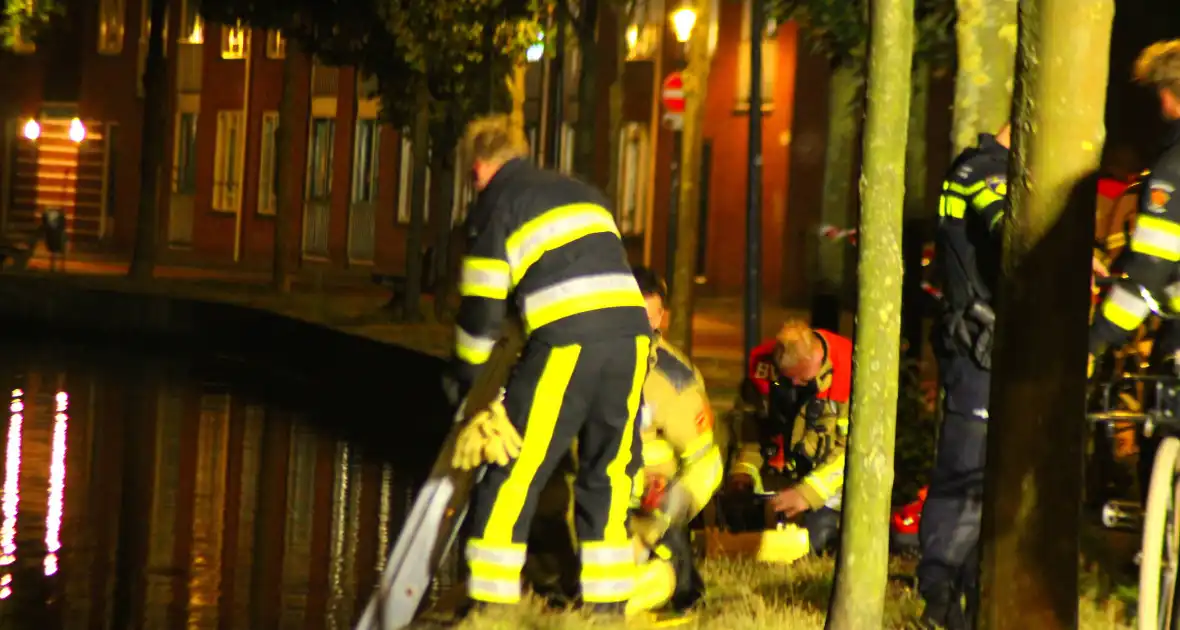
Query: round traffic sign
(672, 93)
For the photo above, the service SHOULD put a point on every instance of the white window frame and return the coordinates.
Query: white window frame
(311, 194)
(227, 167)
(235, 41)
(112, 26)
(405, 181)
(634, 156)
(369, 173)
(268, 175)
(276, 44)
(178, 153)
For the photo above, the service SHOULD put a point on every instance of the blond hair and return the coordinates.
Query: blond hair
(1158, 66)
(796, 344)
(494, 139)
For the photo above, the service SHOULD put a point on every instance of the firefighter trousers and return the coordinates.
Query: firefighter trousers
(555, 394)
(949, 529)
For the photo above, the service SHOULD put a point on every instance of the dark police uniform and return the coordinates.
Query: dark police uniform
(547, 244)
(967, 256)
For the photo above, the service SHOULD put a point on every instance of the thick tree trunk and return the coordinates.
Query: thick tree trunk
(411, 306)
(147, 222)
(1034, 467)
(287, 170)
(585, 144)
(845, 104)
(442, 177)
(515, 83)
(696, 83)
(917, 209)
(622, 20)
(986, 39)
(858, 600)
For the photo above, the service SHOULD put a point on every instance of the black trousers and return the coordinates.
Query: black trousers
(950, 525)
(555, 394)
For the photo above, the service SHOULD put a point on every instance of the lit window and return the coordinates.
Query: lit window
(769, 61)
(235, 41)
(268, 174)
(319, 159)
(632, 179)
(405, 182)
(184, 158)
(227, 165)
(111, 25)
(365, 165)
(276, 44)
(192, 30)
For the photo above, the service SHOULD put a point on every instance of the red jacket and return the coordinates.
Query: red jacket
(762, 371)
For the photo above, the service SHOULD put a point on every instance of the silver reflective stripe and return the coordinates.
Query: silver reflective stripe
(468, 341)
(503, 588)
(1172, 291)
(1156, 239)
(473, 275)
(537, 242)
(578, 287)
(607, 590)
(836, 502)
(689, 458)
(502, 557)
(607, 555)
(1131, 302)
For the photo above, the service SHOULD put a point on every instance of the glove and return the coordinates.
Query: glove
(488, 437)
(650, 527)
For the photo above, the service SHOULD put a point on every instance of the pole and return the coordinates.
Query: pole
(753, 306)
(673, 209)
(556, 92)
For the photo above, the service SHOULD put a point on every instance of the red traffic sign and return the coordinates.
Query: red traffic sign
(672, 94)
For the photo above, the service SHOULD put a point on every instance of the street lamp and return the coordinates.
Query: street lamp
(77, 131)
(682, 22)
(632, 39)
(32, 130)
(534, 53)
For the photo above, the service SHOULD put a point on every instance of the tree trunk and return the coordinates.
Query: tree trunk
(585, 145)
(411, 305)
(917, 209)
(696, 83)
(442, 177)
(622, 20)
(986, 38)
(517, 91)
(147, 223)
(287, 170)
(1034, 467)
(858, 598)
(844, 117)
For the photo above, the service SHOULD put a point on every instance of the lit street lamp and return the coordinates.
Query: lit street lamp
(682, 22)
(32, 130)
(77, 131)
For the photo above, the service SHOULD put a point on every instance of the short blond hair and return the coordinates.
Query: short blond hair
(796, 344)
(494, 139)
(1158, 66)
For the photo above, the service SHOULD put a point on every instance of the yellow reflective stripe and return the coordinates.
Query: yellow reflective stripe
(985, 198)
(1118, 239)
(1172, 293)
(1156, 237)
(580, 295)
(471, 349)
(827, 479)
(964, 190)
(842, 424)
(952, 207)
(495, 571)
(656, 452)
(697, 448)
(753, 472)
(615, 534)
(1124, 308)
(555, 228)
(608, 571)
(484, 277)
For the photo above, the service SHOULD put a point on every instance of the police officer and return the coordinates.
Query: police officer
(547, 246)
(966, 260)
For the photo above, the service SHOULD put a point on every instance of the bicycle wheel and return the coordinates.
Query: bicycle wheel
(1156, 571)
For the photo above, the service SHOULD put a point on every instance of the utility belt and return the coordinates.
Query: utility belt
(971, 331)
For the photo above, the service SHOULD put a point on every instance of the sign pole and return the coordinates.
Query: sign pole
(672, 96)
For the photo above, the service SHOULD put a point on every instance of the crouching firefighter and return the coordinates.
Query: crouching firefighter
(792, 448)
(966, 265)
(547, 244)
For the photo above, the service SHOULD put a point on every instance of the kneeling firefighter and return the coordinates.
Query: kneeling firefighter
(793, 441)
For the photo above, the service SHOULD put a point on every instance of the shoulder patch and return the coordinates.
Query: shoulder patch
(678, 373)
(998, 184)
(1158, 195)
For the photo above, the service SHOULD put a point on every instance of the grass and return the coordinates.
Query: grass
(743, 595)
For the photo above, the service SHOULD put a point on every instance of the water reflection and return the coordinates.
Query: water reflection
(138, 496)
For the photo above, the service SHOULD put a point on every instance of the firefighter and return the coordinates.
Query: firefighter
(966, 264)
(793, 449)
(547, 246)
(682, 467)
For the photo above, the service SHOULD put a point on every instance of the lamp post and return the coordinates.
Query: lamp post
(683, 20)
(753, 302)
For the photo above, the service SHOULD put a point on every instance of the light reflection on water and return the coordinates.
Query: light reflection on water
(141, 497)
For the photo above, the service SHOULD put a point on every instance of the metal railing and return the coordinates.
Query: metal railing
(362, 238)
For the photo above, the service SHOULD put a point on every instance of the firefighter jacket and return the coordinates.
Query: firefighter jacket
(1116, 217)
(800, 434)
(970, 211)
(680, 458)
(1151, 281)
(547, 246)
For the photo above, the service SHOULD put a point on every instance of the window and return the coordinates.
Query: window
(227, 166)
(405, 182)
(111, 16)
(566, 163)
(276, 44)
(769, 62)
(644, 19)
(632, 179)
(319, 159)
(235, 41)
(192, 28)
(145, 32)
(364, 167)
(184, 155)
(268, 174)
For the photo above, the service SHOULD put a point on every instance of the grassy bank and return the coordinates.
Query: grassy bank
(746, 596)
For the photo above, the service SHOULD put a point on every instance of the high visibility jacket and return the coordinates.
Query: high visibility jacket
(802, 431)
(677, 432)
(1150, 262)
(548, 244)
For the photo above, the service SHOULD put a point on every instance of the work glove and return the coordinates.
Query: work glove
(488, 438)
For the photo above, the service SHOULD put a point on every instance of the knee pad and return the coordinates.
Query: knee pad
(784, 546)
(654, 584)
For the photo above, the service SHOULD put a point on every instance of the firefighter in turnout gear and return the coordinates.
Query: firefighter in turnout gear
(793, 446)
(682, 468)
(547, 246)
(966, 265)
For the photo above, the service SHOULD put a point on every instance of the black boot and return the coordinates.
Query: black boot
(943, 612)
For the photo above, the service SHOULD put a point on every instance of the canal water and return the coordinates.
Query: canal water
(152, 493)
